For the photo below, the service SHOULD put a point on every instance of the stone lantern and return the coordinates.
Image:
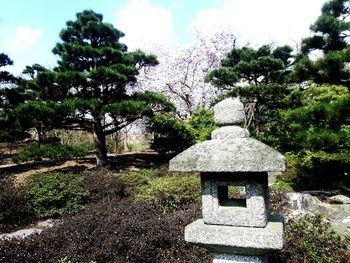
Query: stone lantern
(236, 227)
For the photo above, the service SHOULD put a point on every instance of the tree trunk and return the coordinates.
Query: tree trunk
(125, 141)
(100, 146)
(40, 134)
(257, 114)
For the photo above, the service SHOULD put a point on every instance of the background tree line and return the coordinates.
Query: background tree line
(294, 102)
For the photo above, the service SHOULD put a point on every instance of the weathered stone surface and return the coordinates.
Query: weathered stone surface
(236, 227)
(229, 132)
(234, 258)
(337, 214)
(229, 112)
(46, 224)
(236, 240)
(253, 214)
(21, 233)
(234, 155)
(301, 202)
(340, 199)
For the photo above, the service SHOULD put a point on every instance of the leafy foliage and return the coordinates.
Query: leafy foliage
(10, 95)
(278, 202)
(262, 66)
(312, 123)
(91, 89)
(170, 135)
(331, 31)
(54, 194)
(317, 119)
(171, 192)
(13, 211)
(114, 231)
(314, 170)
(133, 181)
(173, 136)
(202, 124)
(311, 239)
(102, 185)
(263, 70)
(6, 77)
(49, 151)
(161, 188)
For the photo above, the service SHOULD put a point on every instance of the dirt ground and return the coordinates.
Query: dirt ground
(131, 161)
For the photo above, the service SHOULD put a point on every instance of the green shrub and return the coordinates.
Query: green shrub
(283, 186)
(49, 151)
(311, 239)
(314, 170)
(172, 191)
(170, 135)
(133, 181)
(202, 124)
(52, 194)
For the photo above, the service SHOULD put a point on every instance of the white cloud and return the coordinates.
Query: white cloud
(25, 38)
(260, 22)
(144, 24)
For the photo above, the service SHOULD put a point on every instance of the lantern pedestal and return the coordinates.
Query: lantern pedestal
(237, 240)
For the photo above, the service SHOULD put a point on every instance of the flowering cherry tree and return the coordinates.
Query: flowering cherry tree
(181, 71)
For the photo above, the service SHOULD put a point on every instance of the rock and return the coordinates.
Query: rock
(46, 224)
(338, 214)
(299, 201)
(340, 199)
(21, 233)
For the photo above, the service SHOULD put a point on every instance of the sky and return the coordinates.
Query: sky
(29, 29)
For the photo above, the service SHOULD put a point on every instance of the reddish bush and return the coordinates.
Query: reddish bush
(13, 212)
(311, 239)
(114, 231)
(102, 184)
(278, 202)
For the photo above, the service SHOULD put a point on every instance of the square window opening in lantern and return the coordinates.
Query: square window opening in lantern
(232, 195)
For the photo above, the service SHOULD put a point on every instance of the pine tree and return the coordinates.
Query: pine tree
(259, 73)
(91, 88)
(5, 76)
(10, 95)
(331, 32)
